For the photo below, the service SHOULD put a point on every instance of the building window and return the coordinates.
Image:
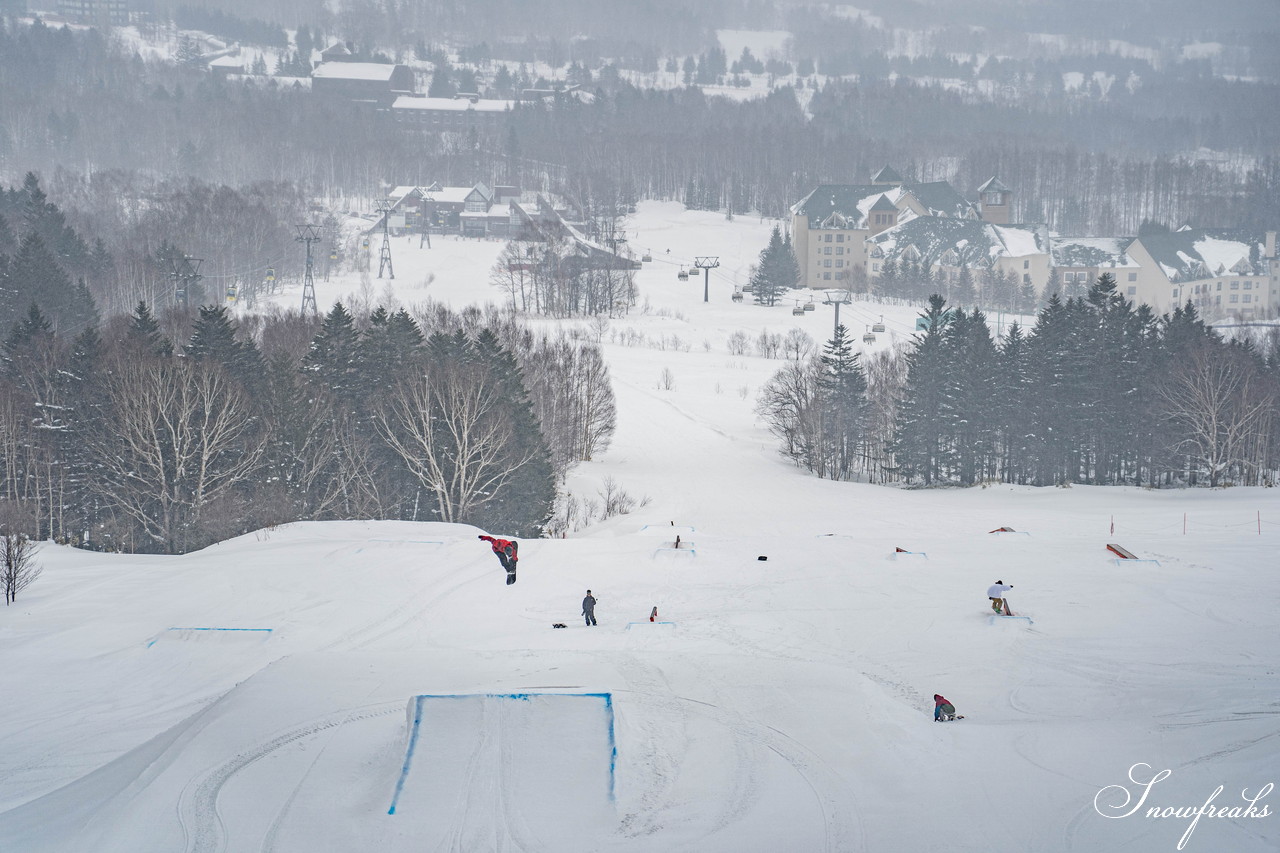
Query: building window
(1217, 300)
(827, 262)
(1235, 285)
(1026, 265)
(826, 276)
(1133, 291)
(1248, 297)
(1248, 285)
(839, 250)
(1133, 276)
(875, 268)
(827, 250)
(1235, 297)
(828, 240)
(839, 264)
(839, 238)
(1219, 285)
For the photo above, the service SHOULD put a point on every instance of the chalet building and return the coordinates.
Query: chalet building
(450, 114)
(371, 82)
(832, 226)
(1080, 260)
(99, 12)
(1223, 273)
(995, 202)
(947, 245)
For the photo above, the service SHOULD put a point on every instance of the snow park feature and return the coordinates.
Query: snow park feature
(789, 710)
(1124, 555)
(545, 761)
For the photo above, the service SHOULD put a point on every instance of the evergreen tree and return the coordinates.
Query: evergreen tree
(334, 360)
(842, 389)
(524, 503)
(213, 338)
(970, 397)
(890, 283)
(145, 333)
(1015, 390)
(918, 443)
(964, 292)
(776, 272)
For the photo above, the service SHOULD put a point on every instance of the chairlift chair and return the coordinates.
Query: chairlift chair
(869, 338)
(809, 306)
(682, 275)
(694, 270)
(878, 327)
(737, 296)
(646, 258)
(798, 311)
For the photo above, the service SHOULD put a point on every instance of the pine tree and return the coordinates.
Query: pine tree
(842, 388)
(334, 360)
(525, 501)
(776, 272)
(965, 295)
(918, 444)
(144, 332)
(213, 338)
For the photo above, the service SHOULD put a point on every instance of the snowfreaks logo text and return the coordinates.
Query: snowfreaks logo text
(1114, 802)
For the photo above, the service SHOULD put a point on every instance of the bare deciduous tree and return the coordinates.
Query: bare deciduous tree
(18, 567)
(1219, 402)
(176, 434)
(450, 429)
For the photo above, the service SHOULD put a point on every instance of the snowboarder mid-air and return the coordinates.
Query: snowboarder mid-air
(507, 551)
(998, 602)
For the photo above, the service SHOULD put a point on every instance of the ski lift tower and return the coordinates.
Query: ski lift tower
(837, 298)
(185, 275)
(308, 234)
(706, 265)
(384, 257)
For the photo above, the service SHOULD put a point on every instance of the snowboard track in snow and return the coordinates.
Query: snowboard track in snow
(202, 824)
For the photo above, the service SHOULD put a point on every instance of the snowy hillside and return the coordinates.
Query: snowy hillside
(353, 686)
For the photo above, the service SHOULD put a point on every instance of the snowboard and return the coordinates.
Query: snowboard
(511, 578)
(950, 719)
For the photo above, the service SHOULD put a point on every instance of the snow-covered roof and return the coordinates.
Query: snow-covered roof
(993, 185)
(850, 203)
(967, 241)
(354, 71)
(1197, 253)
(1091, 252)
(461, 105)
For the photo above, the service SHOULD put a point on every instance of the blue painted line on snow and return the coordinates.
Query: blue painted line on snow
(420, 700)
(668, 527)
(629, 624)
(408, 752)
(693, 551)
(995, 616)
(155, 639)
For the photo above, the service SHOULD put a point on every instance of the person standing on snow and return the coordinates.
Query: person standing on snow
(942, 709)
(507, 551)
(589, 608)
(996, 594)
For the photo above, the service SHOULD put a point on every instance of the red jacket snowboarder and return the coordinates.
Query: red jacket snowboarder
(507, 551)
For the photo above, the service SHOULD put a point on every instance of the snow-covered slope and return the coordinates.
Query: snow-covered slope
(779, 704)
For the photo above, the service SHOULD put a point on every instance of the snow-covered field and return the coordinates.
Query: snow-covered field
(779, 704)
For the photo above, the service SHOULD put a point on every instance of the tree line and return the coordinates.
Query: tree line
(1098, 391)
(121, 438)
